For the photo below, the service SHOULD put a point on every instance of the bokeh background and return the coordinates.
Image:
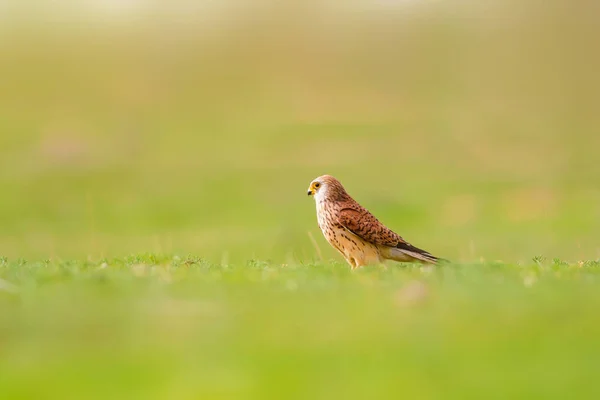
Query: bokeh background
(195, 127)
(155, 233)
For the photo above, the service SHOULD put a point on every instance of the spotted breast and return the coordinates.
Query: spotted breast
(354, 249)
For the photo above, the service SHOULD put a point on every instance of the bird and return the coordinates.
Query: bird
(355, 233)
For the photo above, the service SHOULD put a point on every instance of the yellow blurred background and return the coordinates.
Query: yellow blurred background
(471, 128)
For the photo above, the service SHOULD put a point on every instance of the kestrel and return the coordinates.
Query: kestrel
(355, 232)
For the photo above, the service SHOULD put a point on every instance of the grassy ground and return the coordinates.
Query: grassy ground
(174, 327)
(472, 131)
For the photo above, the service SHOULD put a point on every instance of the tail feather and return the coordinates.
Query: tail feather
(407, 252)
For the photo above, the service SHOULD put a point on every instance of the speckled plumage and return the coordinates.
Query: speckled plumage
(355, 232)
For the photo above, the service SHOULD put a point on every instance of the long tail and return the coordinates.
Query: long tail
(407, 252)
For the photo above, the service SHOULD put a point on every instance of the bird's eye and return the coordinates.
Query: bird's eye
(317, 185)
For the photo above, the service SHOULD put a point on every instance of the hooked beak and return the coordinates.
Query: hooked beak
(310, 192)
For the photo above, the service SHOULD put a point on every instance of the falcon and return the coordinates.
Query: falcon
(354, 232)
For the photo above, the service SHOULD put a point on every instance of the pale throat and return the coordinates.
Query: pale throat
(321, 194)
(320, 199)
(320, 204)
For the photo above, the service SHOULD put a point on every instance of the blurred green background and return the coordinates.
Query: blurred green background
(469, 127)
(189, 132)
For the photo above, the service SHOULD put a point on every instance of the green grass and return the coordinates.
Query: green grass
(471, 131)
(157, 327)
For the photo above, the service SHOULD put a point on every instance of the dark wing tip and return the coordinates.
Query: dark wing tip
(409, 247)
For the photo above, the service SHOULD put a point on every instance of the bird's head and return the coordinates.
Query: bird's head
(326, 186)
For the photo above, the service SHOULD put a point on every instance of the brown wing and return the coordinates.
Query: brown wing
(363, 224)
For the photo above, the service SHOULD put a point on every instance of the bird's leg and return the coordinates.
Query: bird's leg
(358, 263)
(352, 262)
